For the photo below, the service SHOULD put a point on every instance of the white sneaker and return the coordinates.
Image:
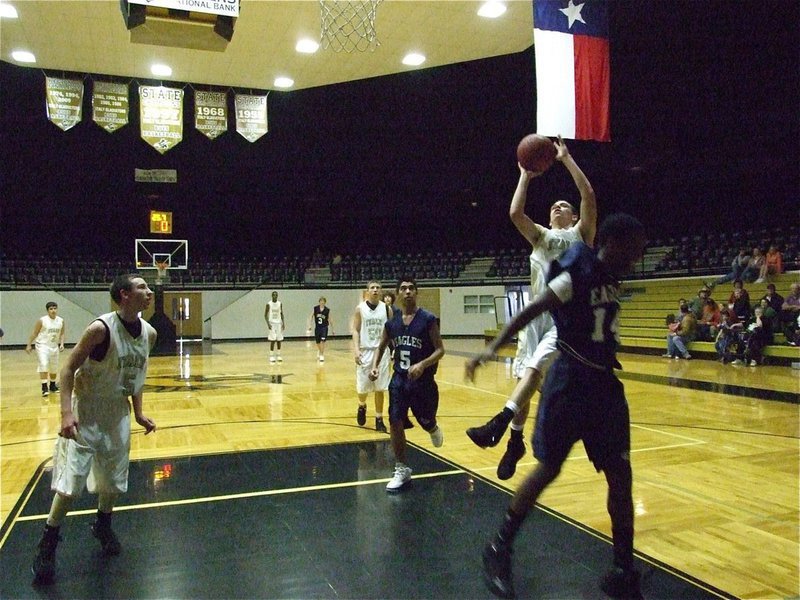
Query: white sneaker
(321, 358)
(272, 359)
(402, 475)
(280, 358)
(753, 363)
(437, 437)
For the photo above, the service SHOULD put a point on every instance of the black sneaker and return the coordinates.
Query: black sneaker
(361, 415)
(497, 570)
(379, 426)
(622, 584)
(108, 539)
(44, 392)
(54, 387)
(489, 435)
(407, 424)
(44, 563)
(508, 464)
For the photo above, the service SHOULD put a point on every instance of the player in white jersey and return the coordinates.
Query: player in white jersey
(48, 336)
(538, 344)
(367, 330)
(103, 377)
(273, 315)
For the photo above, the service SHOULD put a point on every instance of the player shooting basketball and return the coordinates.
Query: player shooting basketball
(538, 346)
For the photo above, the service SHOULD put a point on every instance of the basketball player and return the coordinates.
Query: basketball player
(537, 345)
(273, 315)
(107, 366)
(48, 335)
(367, 327)
(323, 324)
(418, 348)
(582, 399)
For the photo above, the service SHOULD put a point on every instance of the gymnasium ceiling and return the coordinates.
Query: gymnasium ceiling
(89, 36)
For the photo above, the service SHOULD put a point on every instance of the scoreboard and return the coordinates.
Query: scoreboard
(160, 222)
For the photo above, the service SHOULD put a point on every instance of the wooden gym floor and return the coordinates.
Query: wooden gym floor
(260, 470)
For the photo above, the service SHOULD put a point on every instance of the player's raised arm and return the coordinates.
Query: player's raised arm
(587, 223)
(524, 224)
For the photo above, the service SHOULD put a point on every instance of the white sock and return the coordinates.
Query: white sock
(511, 405)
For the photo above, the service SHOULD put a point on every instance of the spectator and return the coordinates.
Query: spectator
(739, 301)
(727, 337)
(697, 304)
(753, 269)
(756, 335)
(774, 299)
(683, 334)
(790, 313)
(709, 321)
(738, 265)
(773, 264)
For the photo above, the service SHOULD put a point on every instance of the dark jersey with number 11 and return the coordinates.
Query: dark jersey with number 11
(412, 342)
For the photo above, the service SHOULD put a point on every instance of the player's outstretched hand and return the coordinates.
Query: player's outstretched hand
(472, 365)
(527, 173)
(561, 149)
(146, 422)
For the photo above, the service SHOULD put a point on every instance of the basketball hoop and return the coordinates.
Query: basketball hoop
(349, 26)
(161, 272)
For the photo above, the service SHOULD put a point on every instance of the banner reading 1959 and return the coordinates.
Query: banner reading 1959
(64, 102)
(110, 105)
(161, 116)
(251, 116)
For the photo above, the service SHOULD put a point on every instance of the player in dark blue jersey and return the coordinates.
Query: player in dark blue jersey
(582, 399)
(418, 348)
(323, 325)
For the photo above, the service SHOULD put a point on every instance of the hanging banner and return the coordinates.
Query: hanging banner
(251, 116)
(110, 105)
(229, 8)
(161, 116)
(211, 113)
(64, 102)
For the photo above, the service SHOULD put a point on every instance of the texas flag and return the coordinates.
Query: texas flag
(572, 68)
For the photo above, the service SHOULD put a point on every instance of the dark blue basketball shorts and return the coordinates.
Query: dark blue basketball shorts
(421, 396)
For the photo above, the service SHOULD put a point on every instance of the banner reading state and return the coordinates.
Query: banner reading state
(110, 105)
(211, 113)
(64, 102)
(161, 116)
(251, 116)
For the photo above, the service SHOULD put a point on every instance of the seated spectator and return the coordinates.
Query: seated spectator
(739, 301)
(753, 269)
(709, 321)
(727, 338)
(697, 304)
(774, 299)
(773, 264)
(790, 313)
(756, 335)
(738, 265)
(683, 334)
(681, 303)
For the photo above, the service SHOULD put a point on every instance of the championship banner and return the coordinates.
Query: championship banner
(228, 8)
(161, 116)
(64, 102)
(251, 116)
(110, 105)
(211, 113)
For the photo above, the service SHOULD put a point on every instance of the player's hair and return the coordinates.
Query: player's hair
(323, 299)
(371, 281)
(391, 295)
(122, 282)
(570, 204)
(619, 226)
(407, 279)
(50, 305)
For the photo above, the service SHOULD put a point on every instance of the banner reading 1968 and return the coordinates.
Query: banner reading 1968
(64, 102)
(211, 113)
(161, 116)
(251, 116)
(110, 105)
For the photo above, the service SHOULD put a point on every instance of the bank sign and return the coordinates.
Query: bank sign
(228, 8)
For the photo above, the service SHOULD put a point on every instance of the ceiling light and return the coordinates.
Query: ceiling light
(161, 70)
(284, 82)
(307, 46)
(491, 10)
(23, 56)
(413, 59)
(7, 11)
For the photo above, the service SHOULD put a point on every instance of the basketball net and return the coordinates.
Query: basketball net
(161, 272)
(348, 26)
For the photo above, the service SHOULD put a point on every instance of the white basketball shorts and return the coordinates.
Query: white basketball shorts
(48, 359)
(364, 384)
(275, 332)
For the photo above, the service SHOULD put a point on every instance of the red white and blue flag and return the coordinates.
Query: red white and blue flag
(572, 69)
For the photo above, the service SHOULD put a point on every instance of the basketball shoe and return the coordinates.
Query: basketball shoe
(402, 475)
(108, 539)
(361, 415)
(497, 569)
(44, 563)
(622, 583)
(514, 452)
(379, 426)
(489, 435)
(437, 437)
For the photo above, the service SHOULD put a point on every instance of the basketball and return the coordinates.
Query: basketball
(536, 152)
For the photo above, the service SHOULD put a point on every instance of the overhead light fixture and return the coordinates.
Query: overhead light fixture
(23, 56)
(492, 9)
(413, 59)
(7, 11)
(307, 46)
(161, 70)
(284, 82)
